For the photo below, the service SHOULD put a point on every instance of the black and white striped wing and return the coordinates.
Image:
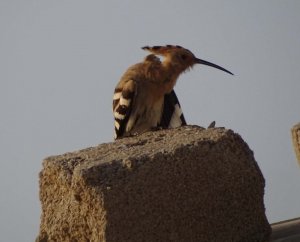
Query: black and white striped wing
(172, 115)
(122, 106)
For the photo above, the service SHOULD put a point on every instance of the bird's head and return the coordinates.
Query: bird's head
(179, 57)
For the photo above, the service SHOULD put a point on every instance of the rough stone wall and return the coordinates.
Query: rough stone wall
(184, 184)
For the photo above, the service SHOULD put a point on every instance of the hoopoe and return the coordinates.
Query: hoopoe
(144, 98)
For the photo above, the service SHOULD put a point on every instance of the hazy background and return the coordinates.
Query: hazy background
(60, 61)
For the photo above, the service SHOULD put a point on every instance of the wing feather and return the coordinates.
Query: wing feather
(172, 115)
(122, 105)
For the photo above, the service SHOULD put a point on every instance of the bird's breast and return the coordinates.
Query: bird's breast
(147, 116)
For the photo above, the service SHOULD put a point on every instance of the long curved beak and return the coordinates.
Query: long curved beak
(203, 62)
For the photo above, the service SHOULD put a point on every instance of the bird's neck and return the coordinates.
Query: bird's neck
(171, 74)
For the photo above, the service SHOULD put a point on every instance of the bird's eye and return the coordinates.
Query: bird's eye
(183, 57)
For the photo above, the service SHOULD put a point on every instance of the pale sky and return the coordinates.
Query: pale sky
(60, 61)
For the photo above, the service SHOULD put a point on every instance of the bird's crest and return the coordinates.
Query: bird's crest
(167, 49)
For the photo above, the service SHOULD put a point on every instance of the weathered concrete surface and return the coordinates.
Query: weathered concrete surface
(296, 140)
(185, 184)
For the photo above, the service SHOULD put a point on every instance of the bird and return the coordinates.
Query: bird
(144, 99)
